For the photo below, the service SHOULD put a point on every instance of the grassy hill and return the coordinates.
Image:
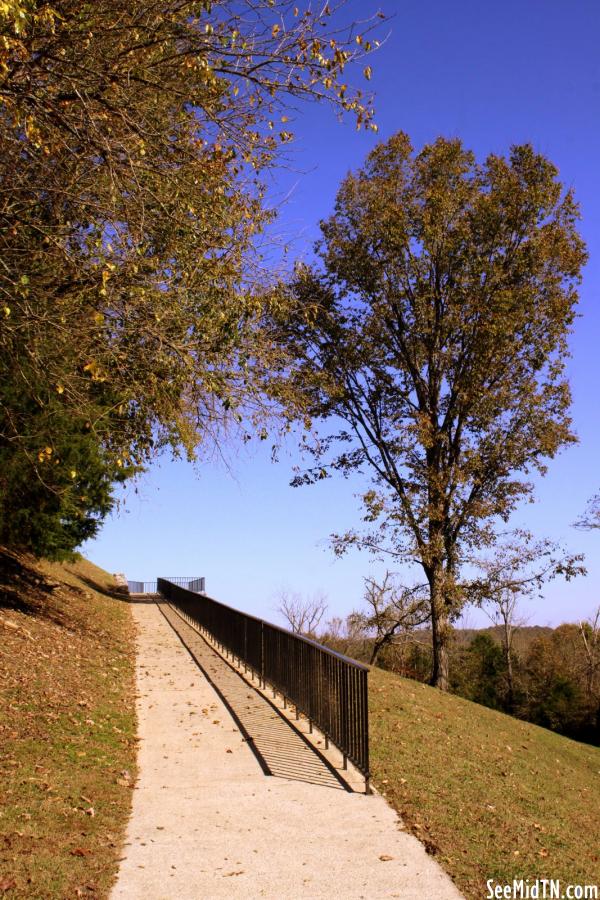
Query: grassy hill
(67, 728)
(490, 796)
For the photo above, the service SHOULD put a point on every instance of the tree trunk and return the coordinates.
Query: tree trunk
(440, 632)
(376, 648)
(510, 698)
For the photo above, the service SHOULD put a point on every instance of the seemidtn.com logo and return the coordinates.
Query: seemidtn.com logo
(540, 889)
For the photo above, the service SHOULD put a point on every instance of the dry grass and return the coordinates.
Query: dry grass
(490, 796)
(67, 728)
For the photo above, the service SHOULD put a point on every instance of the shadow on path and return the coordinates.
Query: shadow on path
(279, 748)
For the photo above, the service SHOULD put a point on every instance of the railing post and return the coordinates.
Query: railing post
(262, 653)
(365, 729)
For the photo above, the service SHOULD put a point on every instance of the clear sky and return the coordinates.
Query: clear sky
(493, 75)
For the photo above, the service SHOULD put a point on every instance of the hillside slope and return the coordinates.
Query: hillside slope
(491, 796)
(67, 728)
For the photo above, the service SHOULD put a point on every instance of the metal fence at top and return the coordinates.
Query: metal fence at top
(141, 587)
(327, 687)
(192, 583)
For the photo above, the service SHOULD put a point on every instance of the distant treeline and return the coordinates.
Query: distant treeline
(555, 672)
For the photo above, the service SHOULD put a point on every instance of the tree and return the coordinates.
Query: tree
(556, 691)
(591, 517)
(132, 139)
(482, 673)
(391, 609)
(519, 567)
(348, 636)
(433, 333)
(589, 631)
(303, 615)
(57, 490)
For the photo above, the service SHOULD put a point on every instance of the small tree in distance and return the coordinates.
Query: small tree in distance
(392, 610)
(303, 615)
(427, 349)
(519, 568)
(589, 631)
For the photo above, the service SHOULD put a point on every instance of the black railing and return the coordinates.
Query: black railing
(328, 688)
(192, 583)
(142, 587)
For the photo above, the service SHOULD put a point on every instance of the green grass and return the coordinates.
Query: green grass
(67, 729)
(489, 795)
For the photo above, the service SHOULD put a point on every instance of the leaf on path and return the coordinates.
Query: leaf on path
(385, 858)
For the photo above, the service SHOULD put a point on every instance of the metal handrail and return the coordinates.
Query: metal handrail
(330, 689)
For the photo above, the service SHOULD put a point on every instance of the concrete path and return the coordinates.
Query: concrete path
(208, 823)
(280, 748)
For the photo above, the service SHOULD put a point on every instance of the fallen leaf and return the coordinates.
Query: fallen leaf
(7, 884)
(81, 851)
(385, 858)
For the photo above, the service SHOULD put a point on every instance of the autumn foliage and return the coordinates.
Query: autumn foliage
(133, 137)
(426, 349)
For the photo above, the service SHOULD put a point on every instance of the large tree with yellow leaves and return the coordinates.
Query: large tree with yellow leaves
(428, 350)
(133, 136)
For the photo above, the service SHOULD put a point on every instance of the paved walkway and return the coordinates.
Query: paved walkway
(280, 748)
(207, 822)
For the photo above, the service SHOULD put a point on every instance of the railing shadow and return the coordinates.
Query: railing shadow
(280, 749)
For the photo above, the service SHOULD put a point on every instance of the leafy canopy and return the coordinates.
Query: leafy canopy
(132, 138)
(427, 348)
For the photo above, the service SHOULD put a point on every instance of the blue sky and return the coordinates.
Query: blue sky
(493, 75)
